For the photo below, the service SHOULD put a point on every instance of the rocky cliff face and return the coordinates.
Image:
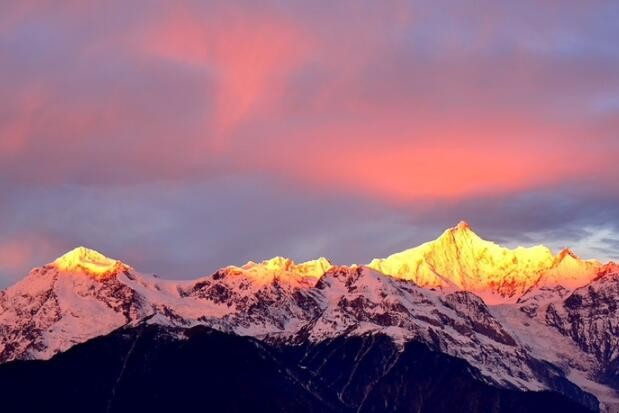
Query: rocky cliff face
(590, 317)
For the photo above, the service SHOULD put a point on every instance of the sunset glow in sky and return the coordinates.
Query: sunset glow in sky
(183, 136)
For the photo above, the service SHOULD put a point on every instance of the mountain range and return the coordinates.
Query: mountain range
(456, 324)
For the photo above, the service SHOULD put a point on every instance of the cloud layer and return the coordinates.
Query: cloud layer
(338, 129)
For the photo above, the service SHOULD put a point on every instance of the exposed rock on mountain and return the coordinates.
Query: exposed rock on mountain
(524, 319)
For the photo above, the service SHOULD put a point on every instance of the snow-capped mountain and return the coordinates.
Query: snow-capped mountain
(460, 260)
(77, 297)
(526, 318)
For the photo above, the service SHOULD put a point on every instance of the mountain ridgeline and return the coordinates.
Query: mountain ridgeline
(456, 324)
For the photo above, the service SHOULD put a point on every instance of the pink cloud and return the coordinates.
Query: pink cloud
(499, 111)
(247, 57)
(351, 100)
(17, 128)
(24, 251)
(434, 160)
(14, 255)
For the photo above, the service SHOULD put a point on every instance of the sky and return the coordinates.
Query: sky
(185, 136)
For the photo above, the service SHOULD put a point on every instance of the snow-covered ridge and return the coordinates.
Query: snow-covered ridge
(460, 260)
(528, 314)
(457, 260)
(284, 270)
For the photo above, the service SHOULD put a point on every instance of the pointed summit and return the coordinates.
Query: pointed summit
(569, 271)
(82, 259)
(460, 239)
(461, 260)
(462, 226)
(460, 231)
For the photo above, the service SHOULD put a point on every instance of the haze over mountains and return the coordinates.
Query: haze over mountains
(523, 320)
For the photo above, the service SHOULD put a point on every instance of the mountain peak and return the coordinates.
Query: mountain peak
(82, 259)
(461, 260)
(314, 268)
(460, 236)
(279, 264)
(462, 226)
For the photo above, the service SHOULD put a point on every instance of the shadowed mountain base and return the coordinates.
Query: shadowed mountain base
(148, 369)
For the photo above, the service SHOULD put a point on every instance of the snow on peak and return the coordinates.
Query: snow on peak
(278, 264)
(569, 271)
(82, 259)
(56, 307)
(460, 260)
(313, 268)
(284, 270)
(461, 233)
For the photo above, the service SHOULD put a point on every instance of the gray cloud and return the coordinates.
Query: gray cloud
(107, 144)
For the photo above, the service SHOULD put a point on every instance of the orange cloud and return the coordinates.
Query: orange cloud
(358, 99)
(433, 161)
